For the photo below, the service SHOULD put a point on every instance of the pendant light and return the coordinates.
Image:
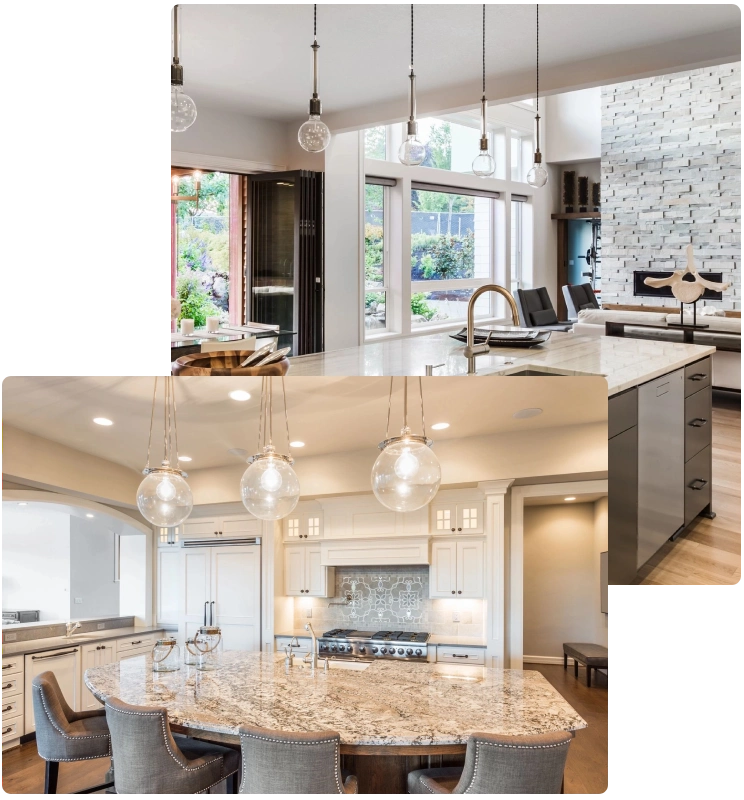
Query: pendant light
(411, 152)
(269, 487)
(538, 175)
(183, 108)
(406, 475)
(164, 498)
(483, 163)
(314, 135)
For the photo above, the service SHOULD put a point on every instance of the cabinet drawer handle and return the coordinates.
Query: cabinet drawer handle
(139, 641)
(457, 655)
(699, 376)
(698, 422)
(7, 730)
(700, 481)
(8, 666)
(54, 655)
(7, 708)
(7, 686)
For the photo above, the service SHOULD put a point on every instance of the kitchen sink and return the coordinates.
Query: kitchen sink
(533, 372)
(538, 371)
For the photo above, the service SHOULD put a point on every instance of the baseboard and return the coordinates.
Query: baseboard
(545, 660)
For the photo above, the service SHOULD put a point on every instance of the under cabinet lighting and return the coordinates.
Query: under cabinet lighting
(240, 395)
(102, 421)
(440, 426)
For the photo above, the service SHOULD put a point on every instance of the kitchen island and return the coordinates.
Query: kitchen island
(390, 716)
(623, 362)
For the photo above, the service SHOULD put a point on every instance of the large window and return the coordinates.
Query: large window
(375, 142)
(450, 253)
(375, 257)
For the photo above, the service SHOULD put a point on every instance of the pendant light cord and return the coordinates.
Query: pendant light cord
(411, 37)
(421, 395)
(484, 51)
(175, 421)
(315, 22)
(390, 404)
(286, 417)
(537, 62)
(175, 34)
(152, 420)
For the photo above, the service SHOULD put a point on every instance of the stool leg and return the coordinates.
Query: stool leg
(50, 777)
(565, 661)
(589, 676)
(576, 668)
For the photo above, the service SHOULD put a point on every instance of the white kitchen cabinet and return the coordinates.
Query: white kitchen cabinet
(474, 656)
(305, 522)
(65, 664)
(364, 517)
(304, 576)
(457, 568)
(222, 585)
(449, 517)
(234, 526)
(137, 644)
(94, 655)
(13, 705)
(170, 573)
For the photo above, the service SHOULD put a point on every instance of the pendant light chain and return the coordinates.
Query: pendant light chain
(315, 22)
(271, 411)
(405, 402)
(152, 420)
(175, 421)
(421, 396)
(286, 416)
(390, 404)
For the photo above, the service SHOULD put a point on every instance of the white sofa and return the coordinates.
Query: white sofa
(726, 365)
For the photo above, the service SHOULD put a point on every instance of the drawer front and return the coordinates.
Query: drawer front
(283, 641)
(12, 685)
(12, 729)
(697, 484)
(698, 376)
(698, 422)
(461, 655)
(134, 653)
(13, 665)
(12, 707)
(622, 412)
(136, 643)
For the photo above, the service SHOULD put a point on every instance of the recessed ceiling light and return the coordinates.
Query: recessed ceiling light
(22, 504)
(184, 458)
(526, 413)
(102, 421)
(297, 444)
(568, 499)
(440, 426)
(239, 394)
(90, 516)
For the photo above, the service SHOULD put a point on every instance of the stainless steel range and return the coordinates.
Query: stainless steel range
(402, 645)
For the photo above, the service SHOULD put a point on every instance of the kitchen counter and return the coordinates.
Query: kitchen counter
(399, 704)
(623, 362)
(60, 643)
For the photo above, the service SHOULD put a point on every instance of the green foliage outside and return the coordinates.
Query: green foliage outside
(373, 255)
(374, 143)
(196, 304)
(419, 306)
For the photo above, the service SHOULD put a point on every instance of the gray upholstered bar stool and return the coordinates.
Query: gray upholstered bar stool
(277, 762)
(149, 760)
(500, 765)
(63, 734)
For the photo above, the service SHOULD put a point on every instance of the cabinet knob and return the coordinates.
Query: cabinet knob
(453, 530)
(453, 591)
(459, 529)
(7, 730)
(459, 591)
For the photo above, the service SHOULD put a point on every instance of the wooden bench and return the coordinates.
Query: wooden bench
(592, 656)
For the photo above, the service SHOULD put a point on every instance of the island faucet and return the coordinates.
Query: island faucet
(314, 654)
(71, 627)
(471, 349)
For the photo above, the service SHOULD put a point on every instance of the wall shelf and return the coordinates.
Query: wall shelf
(578, 215)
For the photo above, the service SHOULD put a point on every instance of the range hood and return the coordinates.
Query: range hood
(374, 552)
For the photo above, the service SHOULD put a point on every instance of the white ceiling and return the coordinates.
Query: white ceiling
(256, 58)
(328, 414)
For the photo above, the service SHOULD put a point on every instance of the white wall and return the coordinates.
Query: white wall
(574, 126)
(92, 570)
(600, 545)
(36, 561)
(561, 578)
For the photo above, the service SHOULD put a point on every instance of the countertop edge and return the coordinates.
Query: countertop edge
(41, 645)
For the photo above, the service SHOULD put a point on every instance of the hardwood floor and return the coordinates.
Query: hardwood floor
(586, 769)
(710, 552)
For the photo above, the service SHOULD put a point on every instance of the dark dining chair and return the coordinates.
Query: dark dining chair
(496, 764)
(579, 297)
(536, 310)
(66, 735)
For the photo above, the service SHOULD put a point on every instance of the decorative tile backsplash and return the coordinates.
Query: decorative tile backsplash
(393, 598)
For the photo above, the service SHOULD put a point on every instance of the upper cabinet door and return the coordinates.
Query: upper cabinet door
(195, 586)
(242, 526)
(443, 518)
(201, 528)
(169, 590)
(470, 567)
(470, 517)
(319, 580)
(294, 571)
(305, 522)
(236, 592)
(443, 570)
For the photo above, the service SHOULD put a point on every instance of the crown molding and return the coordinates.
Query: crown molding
(180, 158)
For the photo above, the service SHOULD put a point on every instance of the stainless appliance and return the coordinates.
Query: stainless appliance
(13, 616)
(369, 645)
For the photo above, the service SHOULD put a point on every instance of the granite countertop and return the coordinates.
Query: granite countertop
(384, 704)
(623, 362)
(60, 643)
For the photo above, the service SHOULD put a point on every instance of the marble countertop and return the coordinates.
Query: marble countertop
(623, 362)
(61, 643)
(385, 704)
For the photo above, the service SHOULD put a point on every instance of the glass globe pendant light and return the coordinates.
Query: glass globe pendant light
(164, 498)
(406, 475)
(183, 108)
(314, 135)
(483, 163)
(538, 175)
(269, 487)
(411, 152)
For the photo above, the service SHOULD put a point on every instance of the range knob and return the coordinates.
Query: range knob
(383, 650)
(333, 647)
(322, 646)
(409, 652)
(362, 649)
(418, 652)
(374, 649)
(400, 651)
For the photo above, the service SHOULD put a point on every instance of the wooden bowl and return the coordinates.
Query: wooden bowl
(225, 362)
